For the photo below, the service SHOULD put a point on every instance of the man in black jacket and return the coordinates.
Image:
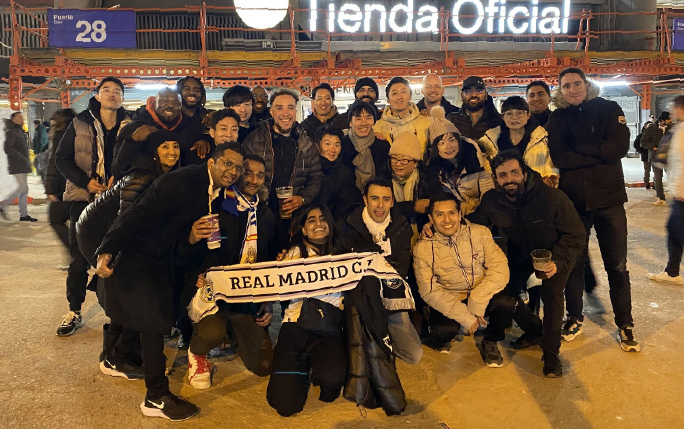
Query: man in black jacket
(478, 113)
(588, 136)
(139, 288)
(538, 96)
(378, 227)
(527, 215)
(193, 96)
(323, 109)
(84, 157)
(247, 224)
(649, 141)
(433, 95)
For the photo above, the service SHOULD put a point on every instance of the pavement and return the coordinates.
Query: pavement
(51, 382)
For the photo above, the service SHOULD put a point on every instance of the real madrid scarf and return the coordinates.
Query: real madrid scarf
(234, 203)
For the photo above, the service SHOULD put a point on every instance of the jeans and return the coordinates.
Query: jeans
(675, 238)
(77, 275)
(610, 224)
(21, 192)
(658, 182)
(405, 340)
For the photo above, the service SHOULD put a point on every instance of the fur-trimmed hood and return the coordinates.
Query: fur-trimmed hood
(593, 91)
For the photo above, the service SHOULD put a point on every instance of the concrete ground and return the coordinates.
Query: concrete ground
(51, 382)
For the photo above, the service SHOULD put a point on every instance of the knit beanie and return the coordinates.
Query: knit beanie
(365, 81)
(158, 138)
(440, 125)
(406, 144)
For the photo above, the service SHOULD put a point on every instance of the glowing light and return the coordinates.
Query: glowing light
(262, 14)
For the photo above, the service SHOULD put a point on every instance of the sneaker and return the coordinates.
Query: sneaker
(116, 368)
(571, 329)
(27, 219)
(491, 354)
(627, 341)
(183, 341)
(440, 346)
(71, 322)
(199, 371)
(664, 277)
(659, 202)
(525, 341)
(170, 407)
(552, 365)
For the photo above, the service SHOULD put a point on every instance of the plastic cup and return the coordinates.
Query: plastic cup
(541, 258)
(283, 193)
(214, 241)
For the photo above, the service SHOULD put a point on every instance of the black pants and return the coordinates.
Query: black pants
(675, 238)
(154, 364)
(77, 277)
(658, 183)
(551, 294)
(647, 174)
(296, 353)
(611, 231)
(58, 214)
(499, 310)
(253, 342)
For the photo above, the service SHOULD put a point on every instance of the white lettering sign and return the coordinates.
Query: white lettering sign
(467, 17)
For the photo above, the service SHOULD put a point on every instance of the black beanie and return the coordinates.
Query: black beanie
(158, 138)
(366, 81)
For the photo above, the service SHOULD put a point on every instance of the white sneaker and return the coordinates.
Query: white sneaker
(659, 202)
(664, 277)
(199, 371)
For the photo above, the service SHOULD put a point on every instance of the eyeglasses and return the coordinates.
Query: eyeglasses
(111, 91)
(406, 161)
(478, 91)
(514, 113)
(239, 169)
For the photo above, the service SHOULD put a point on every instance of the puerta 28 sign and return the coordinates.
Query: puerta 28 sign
(74, 28)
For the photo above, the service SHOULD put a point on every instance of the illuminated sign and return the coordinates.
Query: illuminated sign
(467, 17)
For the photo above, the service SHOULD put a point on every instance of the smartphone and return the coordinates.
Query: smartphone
(114, 263)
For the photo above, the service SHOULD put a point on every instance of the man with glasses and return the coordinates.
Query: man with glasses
(433, 95)
(323, 109)
(588, 137)
(260, 112)
(84, 157)
(291, 159)
(478, 113)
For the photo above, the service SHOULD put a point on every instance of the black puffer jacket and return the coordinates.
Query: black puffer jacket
(338, 191)
(306, 172)
(491, 118)
(379, 151)
(448, 107)
(587, 143)
(16, 148)
(542, 218)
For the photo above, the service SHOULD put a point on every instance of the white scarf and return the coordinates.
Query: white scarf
(248, 254)
(377, 231)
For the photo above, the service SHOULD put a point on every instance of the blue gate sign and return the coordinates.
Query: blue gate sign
(678, 34)
(74, 28)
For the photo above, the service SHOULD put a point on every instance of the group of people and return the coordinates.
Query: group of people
(456, 200)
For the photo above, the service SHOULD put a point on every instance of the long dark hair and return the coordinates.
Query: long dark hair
(330, 247)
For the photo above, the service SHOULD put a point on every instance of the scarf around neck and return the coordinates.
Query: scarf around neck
(363, 161)
(403, 188)
(235, 202)
(377, 231)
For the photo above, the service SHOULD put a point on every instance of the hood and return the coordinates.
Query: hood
(413, 114)
(11, 125)
(557, 99)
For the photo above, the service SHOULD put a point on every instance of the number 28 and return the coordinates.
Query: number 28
(98, 34)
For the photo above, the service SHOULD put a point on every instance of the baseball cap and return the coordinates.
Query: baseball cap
(474, 81)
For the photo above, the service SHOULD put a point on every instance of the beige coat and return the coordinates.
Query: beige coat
(440, 276)
(390, 126)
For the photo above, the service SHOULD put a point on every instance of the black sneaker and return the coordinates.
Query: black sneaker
(525, 341)
(552, 365)
(627, 341)
(70, 323)
(28, 218)
(491, 354)
(571, 329)
(120, 368)
(170, 407)
(440, 347)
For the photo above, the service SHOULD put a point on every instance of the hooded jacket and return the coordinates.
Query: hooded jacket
(448, 107)
(306, 172)
(541, 218)
(467, 265)
(587, 143)
(536, 153)
(76, 156)
(16, 148)
(491, 118)
(40, 139)
(651, 138)
(390, 126)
